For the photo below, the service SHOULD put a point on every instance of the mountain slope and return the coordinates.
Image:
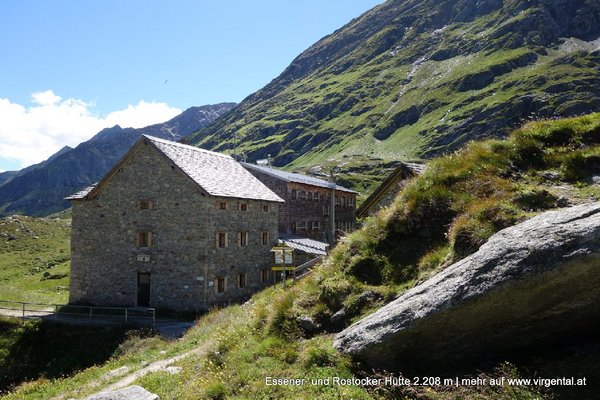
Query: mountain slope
(39, 190)
(414, 78)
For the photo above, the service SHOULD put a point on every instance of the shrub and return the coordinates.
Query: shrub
(367, 268)
(527, 153)
(283, 322)
(215, 391)
(574, 167)
(334, 290)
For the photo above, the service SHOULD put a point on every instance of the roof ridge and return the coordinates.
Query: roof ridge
(301, 177)
(185, 146)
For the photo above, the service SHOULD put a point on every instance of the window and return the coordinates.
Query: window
(303, 195)
(146, 205)
(294, 227)
(243, 239)
(337, 200)
(243, 207)
(317, 196)
(241, 280)
(264, 238)
(221, 284)
(264, 275)
(265, 207)
(344, 203)
(221, 239)
(144, 239)
(294, 194)
(222, 205)
(302, 225)
(326, 211)
(350, 202)
(316, 225)
(310, 196)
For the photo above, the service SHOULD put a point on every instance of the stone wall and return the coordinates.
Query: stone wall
(305, 216)
(183, 259)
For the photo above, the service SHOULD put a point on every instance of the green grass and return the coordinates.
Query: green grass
(462, 199)
(34, 259)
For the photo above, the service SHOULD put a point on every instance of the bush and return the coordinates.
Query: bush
(574, 167)
(333, 291)
(283, 322)
(368, 269)
(527, 153)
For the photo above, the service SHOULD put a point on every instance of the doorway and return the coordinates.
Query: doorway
(143, 289)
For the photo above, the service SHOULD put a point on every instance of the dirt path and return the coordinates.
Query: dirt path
(129, 378)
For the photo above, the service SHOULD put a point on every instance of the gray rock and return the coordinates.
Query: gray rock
(307, 324)
(338, 317)
(129, 393)
(173, 370)
(117, 372)
(530, 285)
(550, 175)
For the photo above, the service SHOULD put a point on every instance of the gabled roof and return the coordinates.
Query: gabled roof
(297, 178)
(402, 171)
(217, 174)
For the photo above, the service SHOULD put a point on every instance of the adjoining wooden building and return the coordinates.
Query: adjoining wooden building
(384, 194)
(307, 208)
(172, 226)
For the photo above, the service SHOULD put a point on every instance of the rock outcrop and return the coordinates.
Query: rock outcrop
(129, 393)
(530, 285)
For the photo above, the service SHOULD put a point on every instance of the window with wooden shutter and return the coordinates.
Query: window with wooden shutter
(264, 238)
(221, 239)
(144, 239)
(146, 204)
(264, 275)
(221, 285)
(243, 239)
(241, 280)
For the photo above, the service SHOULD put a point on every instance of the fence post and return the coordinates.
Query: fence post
(91, 314)
(154, 318)
(55, 312)
(23, 313)
(125, 316)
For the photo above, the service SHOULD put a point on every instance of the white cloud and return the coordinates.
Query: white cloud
(142, 114)
(30, 135)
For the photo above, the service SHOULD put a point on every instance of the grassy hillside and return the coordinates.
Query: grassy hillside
(419, 78)
(440, 217)
(34, 259)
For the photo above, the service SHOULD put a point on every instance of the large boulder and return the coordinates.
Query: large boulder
(530, 285)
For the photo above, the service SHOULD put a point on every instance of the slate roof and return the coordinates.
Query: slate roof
(217, 174)
(82, 193)
(293, 177)
(306, 245)
(403, 171)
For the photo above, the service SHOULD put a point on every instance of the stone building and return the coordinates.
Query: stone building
(307, 208)
(172, 226)
(384, 194)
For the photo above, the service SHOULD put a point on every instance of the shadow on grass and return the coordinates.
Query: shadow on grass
(43, 349)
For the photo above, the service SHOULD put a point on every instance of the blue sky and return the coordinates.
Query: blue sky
(71, 67)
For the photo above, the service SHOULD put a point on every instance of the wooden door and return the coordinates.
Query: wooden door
(143, 289)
